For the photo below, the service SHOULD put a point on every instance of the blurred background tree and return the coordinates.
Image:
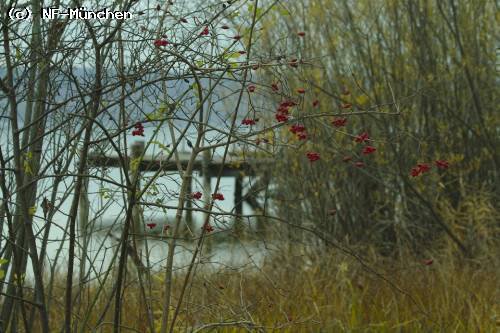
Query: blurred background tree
(430, 62)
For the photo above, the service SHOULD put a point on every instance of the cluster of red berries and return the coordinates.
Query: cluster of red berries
(283, 112)
(368, 150)
(204, 32)
(196, 195)
(339, 122)
(299, 130)
(249, 121)
(160, 42)
(294, 63)
(153, 225)
(362, 138)
(139, 130)
(208, 228)
(312, 156)
(422, 168)
(218, 196)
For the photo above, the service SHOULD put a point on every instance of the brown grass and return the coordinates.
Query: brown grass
(329, 294)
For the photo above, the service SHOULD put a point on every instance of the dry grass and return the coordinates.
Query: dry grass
(331, 294)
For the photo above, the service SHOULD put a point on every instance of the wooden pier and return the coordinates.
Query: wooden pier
(207, 166)
(231, 168)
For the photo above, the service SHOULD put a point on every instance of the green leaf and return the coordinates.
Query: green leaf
(159, 113)
(233, 55)
(161, 145)
(32, 211)
(27, 163)
(162, 108)
(251, 10)
(284, 12)
(234, 14)
(134, 164)
(104, 193)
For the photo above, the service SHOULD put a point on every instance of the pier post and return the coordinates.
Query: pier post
(188, 228)
(238, 203)
(136, 151)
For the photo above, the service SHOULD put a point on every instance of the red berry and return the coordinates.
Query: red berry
(218, 196)
(442, 164)
(363, 137)
(297, 128)
(160, 42)
(312, 156)
(196, 195)
(419, 169)
(428, 262)
(339, 122)
(248, 121)
(208, 228)
(204, 32)
(293, 63)
(369, 149)
(302, 136)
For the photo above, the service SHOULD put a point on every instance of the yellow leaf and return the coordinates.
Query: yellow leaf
(361, 100)
(233, 55)
(27, 163)
(284, 12)
(159, 278)
(134, 164)
(32, 211)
